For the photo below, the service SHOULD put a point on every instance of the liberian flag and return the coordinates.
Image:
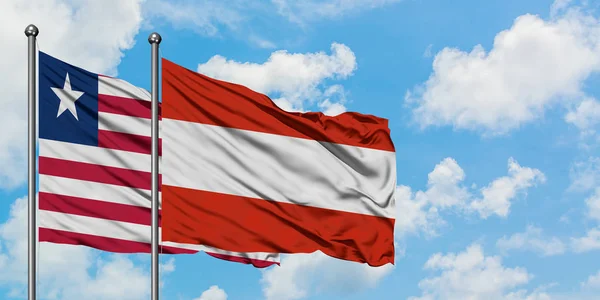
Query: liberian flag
(94, 165)
(243, 175)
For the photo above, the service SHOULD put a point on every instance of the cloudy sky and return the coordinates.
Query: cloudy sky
(493, 108)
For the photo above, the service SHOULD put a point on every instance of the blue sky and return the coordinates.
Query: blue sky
(493, 110)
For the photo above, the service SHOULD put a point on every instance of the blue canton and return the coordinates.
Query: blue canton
(66, 127)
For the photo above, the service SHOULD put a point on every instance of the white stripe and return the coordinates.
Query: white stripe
(125, 231)
(264, 256)
(121, 88)
(96, 191)
(95, 155)
(279, 168)
(125, 124)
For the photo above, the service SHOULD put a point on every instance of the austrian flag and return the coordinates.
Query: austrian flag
(94, 165)
(242, 175)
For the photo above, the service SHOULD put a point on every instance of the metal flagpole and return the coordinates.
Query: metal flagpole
(154, 39)
(31, 32)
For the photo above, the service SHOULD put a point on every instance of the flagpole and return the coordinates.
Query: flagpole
(31, 32)
(154, 39)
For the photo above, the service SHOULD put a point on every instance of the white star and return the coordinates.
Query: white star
(67, 98)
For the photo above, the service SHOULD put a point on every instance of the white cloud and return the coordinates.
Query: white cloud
(587, 243)
(427, 53)
(593, 205)
(73, 31)
(532, 239)
(497, 195)
(333, 102)
(309, 10)
(301, 275)
(446, 190)
(212, 18)
(168, 267)
(586, 180)
(84, 273)
(213, 293)
(417, 213)
(586, 115)
(245, 18)
(420, 211)
(592, 283)
(585, 175)
(559, 6)
(202, 16)
(535, 295)
(294, 89)
(262, 42)
(488, 278)
(443, 185)
(472, 275)
(532, 66)
(332, 109)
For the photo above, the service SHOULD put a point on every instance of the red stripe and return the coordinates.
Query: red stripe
(97, 209)
(96, 173)
(126, 106)
(127, 142)
(193, 97)
(125, 246)
(104, 243)
(243, 224)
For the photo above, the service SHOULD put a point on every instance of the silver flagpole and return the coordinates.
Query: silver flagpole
(31, 32)
(154, 39)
